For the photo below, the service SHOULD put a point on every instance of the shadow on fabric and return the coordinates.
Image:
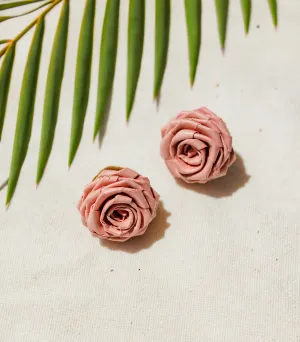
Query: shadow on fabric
(3, 185)
(235, 179)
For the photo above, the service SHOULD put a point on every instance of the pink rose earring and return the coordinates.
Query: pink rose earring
(197, 146)
(118, 204)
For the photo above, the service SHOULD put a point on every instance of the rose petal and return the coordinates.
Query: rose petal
(88, 188)
(94, 224)
(125, 183)
(137, 196)
(118, 205)
(113, 202)
(106, 193)
(105, 181)
(165, 146)
(199, 148)
(194, 114)
(152, 201)
(128, 220)
(126, 173)
(144, 182)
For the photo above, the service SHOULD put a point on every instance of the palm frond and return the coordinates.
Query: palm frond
(4, 18)
(4, 41)
(136, 23)
(26, 109)
(222, 17)
(82, 77)
(53, 89)
(246, 10)
(273, 9)
(193, 22)
(31, 25)
(17, 4)
(5, 75)
(162, 32)
(107, 66)
(108, 56)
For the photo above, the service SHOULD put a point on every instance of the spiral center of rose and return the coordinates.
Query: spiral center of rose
(119, 218)
(119, 215)
(189, 151)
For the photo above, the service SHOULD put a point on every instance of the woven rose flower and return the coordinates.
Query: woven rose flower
(197, 146)
(118, 204)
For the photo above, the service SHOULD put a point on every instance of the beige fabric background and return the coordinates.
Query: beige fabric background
(221, 262)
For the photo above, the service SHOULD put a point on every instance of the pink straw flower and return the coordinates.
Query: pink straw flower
(197, 146)
(118, 204)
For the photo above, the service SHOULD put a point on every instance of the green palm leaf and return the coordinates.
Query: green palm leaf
(246, 10)
(222, 17)
(4, 18)
(17, 4)
(107, 66)
(82, 77)
(108, 56)
(3, 41)
(26, 109)
(136, 23)
(193, 22)
(31, 25)
(273, 9)
(162, 29)
(5, 75)
(53, 88)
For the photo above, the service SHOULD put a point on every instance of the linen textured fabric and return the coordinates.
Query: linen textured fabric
(220, 262)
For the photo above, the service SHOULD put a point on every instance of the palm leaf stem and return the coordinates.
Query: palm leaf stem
(4, 18)
(27, 28)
